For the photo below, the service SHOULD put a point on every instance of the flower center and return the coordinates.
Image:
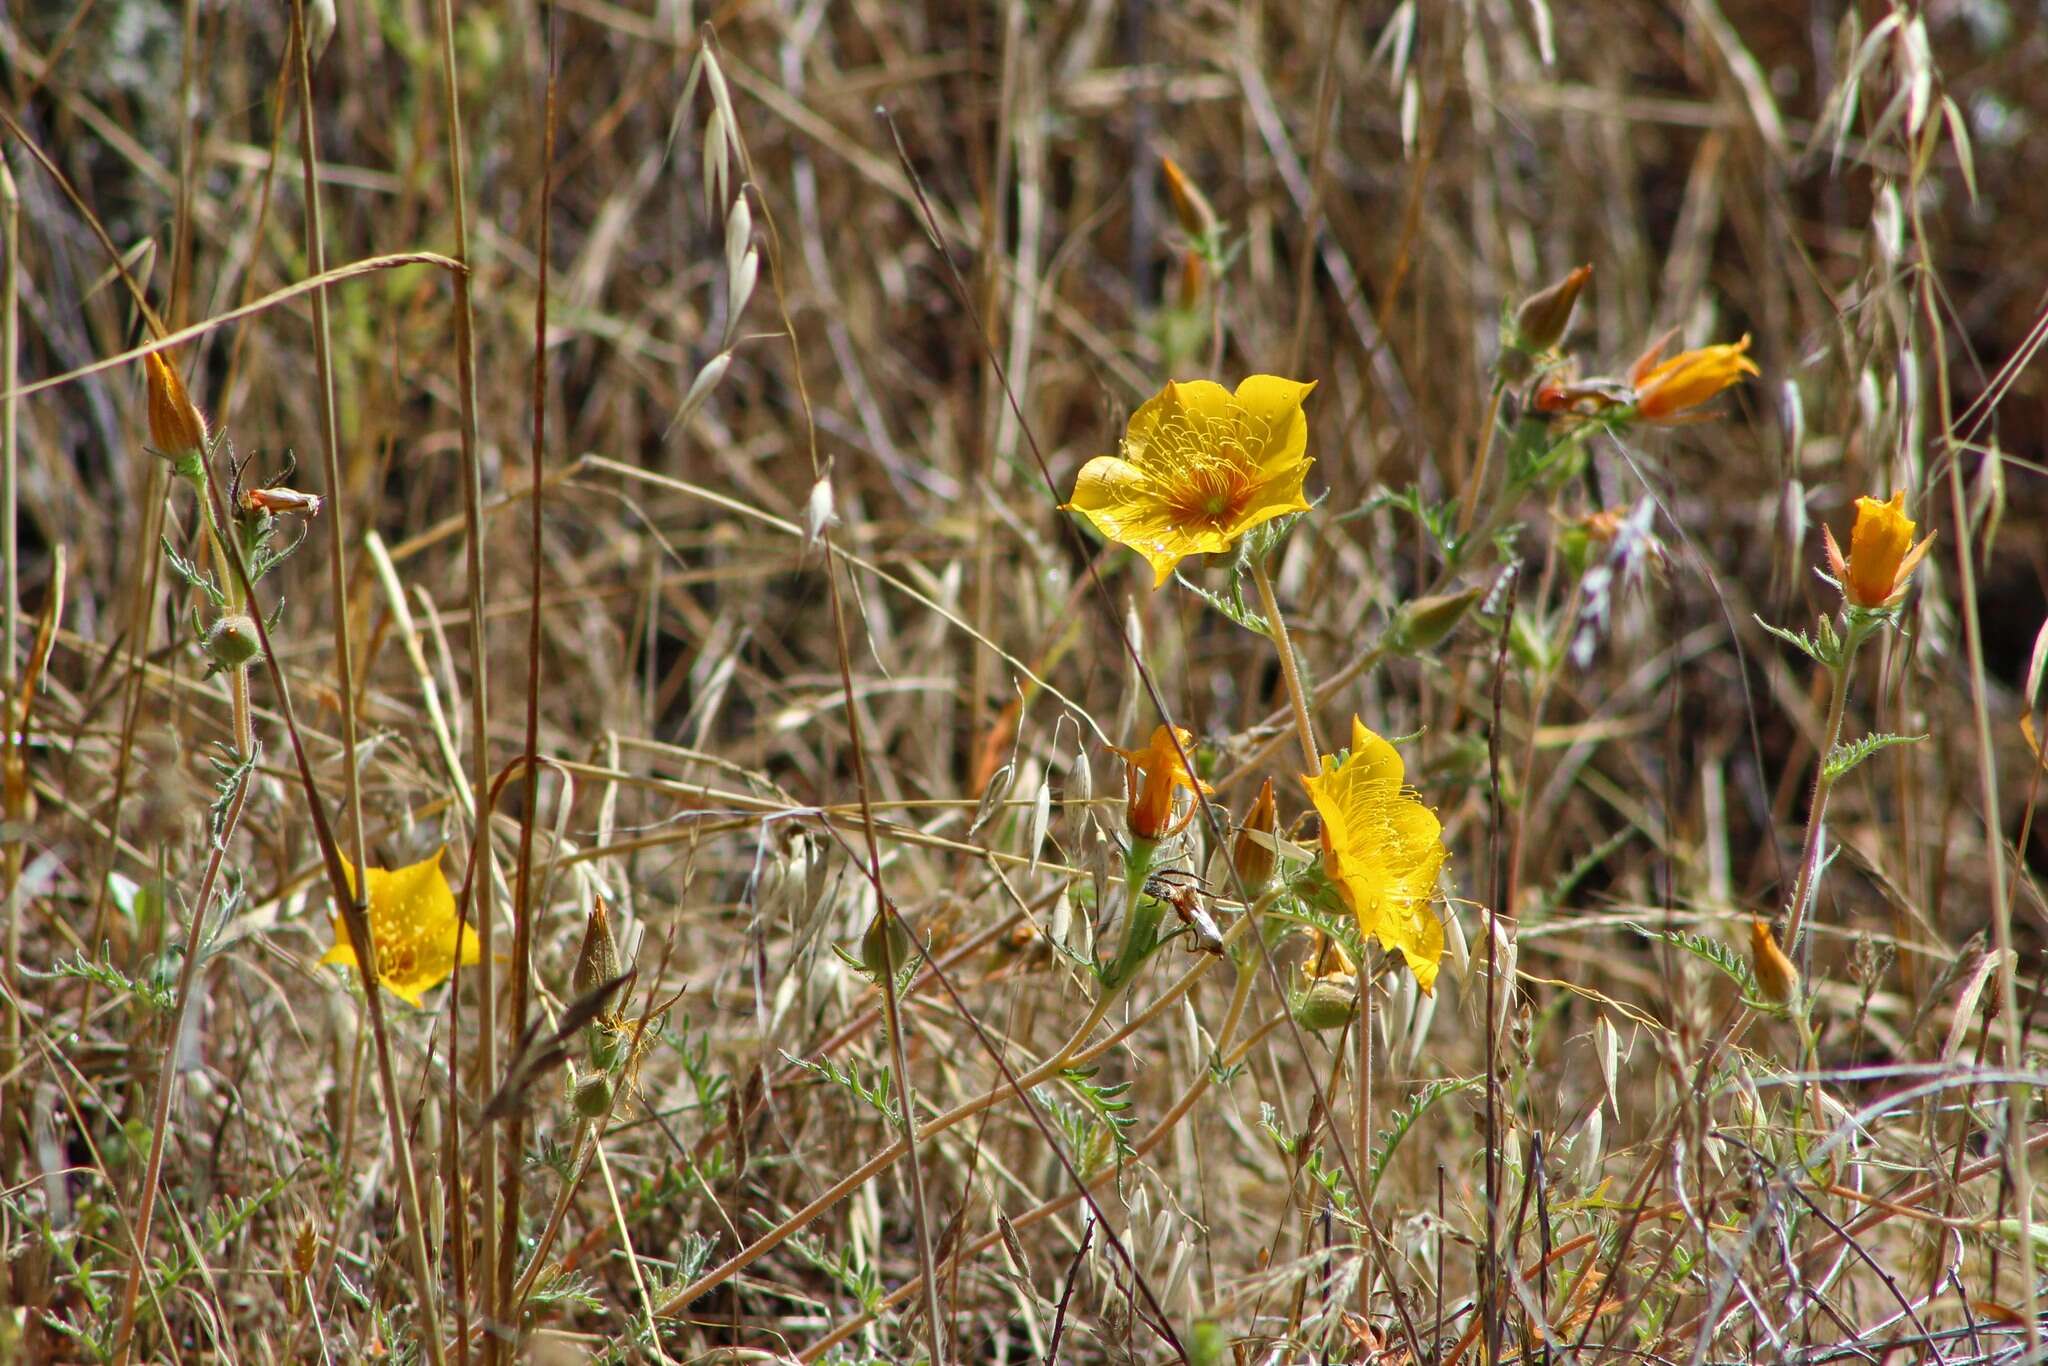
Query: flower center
(1207, 467)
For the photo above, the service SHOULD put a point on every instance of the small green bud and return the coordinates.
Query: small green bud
(1327, 1002)
(231, 642)
(886, 935)
(593, 1096)
(1423, 623)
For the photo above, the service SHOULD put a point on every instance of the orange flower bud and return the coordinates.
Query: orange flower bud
(1156, 772)
(1881, 556)
(1775, 975)
(1197, 219)
(1194, 279)
(1542, 318)
(1254, 855)
(176, 427)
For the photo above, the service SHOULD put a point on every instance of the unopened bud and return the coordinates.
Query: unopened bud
(886, 936)
(1776, 978)
(1327, 1002)
(1423, 623)
(1542, 318)
(593, 1096)
(1197, 219)
(1254, 855)
(597, 962)
(176, 427)
(232, 642)
(1194, 279)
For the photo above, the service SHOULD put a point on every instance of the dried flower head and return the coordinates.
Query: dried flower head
(597, 960)
(1154, 774)
(1667, 390)
(415, 925)
(176, 426)
(279, 499)
(1382, 848)
(1199, 467)
(1881, 556)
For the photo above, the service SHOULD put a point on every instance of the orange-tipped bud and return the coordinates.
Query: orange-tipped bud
(1253, 855)
(1542, 318)
(176, 427)
(1194, 279)
(1775, 975)
(1881, 556)
(1197, 219)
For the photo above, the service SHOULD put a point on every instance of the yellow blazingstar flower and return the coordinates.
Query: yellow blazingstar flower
(1882, 555)
(413, 919)
(1153, 774)
(1667, 390)
(1198, 468)
(1383, 849)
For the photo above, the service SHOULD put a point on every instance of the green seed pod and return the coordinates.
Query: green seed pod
(593, 1096)
(231, 642)
(886, 933)
(1327, 1003)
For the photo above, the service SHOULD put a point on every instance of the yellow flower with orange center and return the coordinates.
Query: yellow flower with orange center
(1668, 389)
(1154, 774)
(415, 925)
(1383, 849)
(1882, 555)
(1199, 467)
(176, 426)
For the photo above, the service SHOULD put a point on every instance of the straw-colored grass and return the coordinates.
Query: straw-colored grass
(692, 432)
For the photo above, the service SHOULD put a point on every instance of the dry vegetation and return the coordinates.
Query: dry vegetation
(795, 620)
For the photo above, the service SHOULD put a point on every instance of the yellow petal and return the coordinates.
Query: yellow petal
(1274, 405)
(413, 918)
(1126, 506)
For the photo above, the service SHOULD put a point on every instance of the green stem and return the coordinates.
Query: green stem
(1823, 786)
(1276, 626)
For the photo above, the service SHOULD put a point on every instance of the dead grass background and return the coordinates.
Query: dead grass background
(1700, 155)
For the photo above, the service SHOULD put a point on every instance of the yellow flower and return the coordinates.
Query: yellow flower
(1198, 468)
(1882, 555)
(176, 427)
(1688, 379)
(413, 920)
(1383, 849)
(1155, 773)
